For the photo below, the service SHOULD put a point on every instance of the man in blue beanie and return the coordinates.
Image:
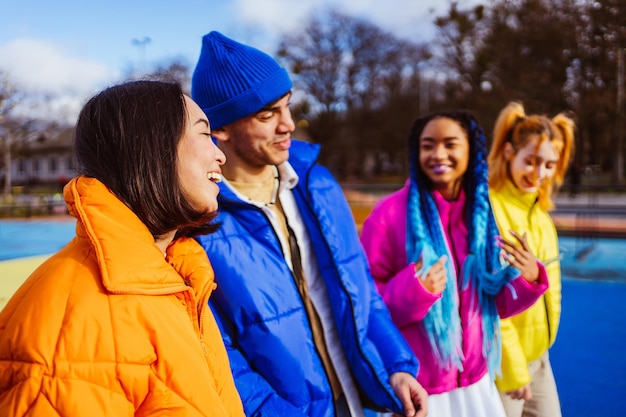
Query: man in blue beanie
(306, 332)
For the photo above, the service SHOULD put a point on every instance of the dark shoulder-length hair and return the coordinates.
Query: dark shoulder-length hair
(127, 137)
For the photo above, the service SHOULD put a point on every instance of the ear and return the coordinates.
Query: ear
(508, 151)
(220, 134)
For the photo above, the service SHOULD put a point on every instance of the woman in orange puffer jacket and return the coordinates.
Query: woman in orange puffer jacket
(116, 323)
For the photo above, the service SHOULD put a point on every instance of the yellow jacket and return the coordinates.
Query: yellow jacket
(109, 327)
(528, 335)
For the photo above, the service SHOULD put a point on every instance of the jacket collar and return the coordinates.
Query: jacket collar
(450, 208)
(128, 259)
(517, 196)
(303, 155)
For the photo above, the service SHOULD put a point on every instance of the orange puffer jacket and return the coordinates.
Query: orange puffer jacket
(109, 327)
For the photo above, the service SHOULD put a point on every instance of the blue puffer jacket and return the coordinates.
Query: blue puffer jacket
(276, 367)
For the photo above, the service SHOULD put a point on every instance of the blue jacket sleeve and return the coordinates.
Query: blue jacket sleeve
(258, 397)
(395, 352)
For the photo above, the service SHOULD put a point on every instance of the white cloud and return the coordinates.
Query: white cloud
(275, 16)
(404, 18)
(54, 83)
(44, 67)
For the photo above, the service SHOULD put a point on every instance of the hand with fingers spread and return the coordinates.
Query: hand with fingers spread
(435, 278)
(520, 256)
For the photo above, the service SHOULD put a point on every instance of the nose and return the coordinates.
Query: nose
(440, 151)
(219, 155)
(541, 172)
(286, 123)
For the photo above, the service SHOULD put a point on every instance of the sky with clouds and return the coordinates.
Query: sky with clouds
(64, 51)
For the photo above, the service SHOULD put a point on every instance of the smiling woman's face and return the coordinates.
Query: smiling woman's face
(199, 160)
(532, 164)
(444, 155)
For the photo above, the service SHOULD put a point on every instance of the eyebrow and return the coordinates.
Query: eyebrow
(269, 107)
(447, 139)
(202, 121)
(272, 106)
(540, 159)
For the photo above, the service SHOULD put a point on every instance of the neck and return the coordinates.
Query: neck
(451, 192)
(163, 241)
(261, 187)
(243, 174)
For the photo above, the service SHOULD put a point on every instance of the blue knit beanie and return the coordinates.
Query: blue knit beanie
(233, 80)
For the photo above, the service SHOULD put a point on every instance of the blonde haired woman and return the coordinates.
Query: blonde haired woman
(527, 163)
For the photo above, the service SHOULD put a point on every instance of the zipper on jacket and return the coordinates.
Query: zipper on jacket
(547, 309)
(190, 299)
(459, 291)
(393, 399)
(203, 312)
(543, 296)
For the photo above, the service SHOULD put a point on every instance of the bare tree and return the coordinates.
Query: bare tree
(15, 130)
(176, 69)
(597, 80)
(8, 100)
(553, 55)
(460, 59)
(171, 69)
(351, 72)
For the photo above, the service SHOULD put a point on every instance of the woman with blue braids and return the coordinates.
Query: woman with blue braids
(437, 259)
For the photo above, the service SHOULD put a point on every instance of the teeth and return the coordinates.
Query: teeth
(214, 176)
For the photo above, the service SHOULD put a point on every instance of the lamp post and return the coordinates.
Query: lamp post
(141, 48)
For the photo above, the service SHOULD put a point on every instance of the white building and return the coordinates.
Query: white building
(46, 160)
